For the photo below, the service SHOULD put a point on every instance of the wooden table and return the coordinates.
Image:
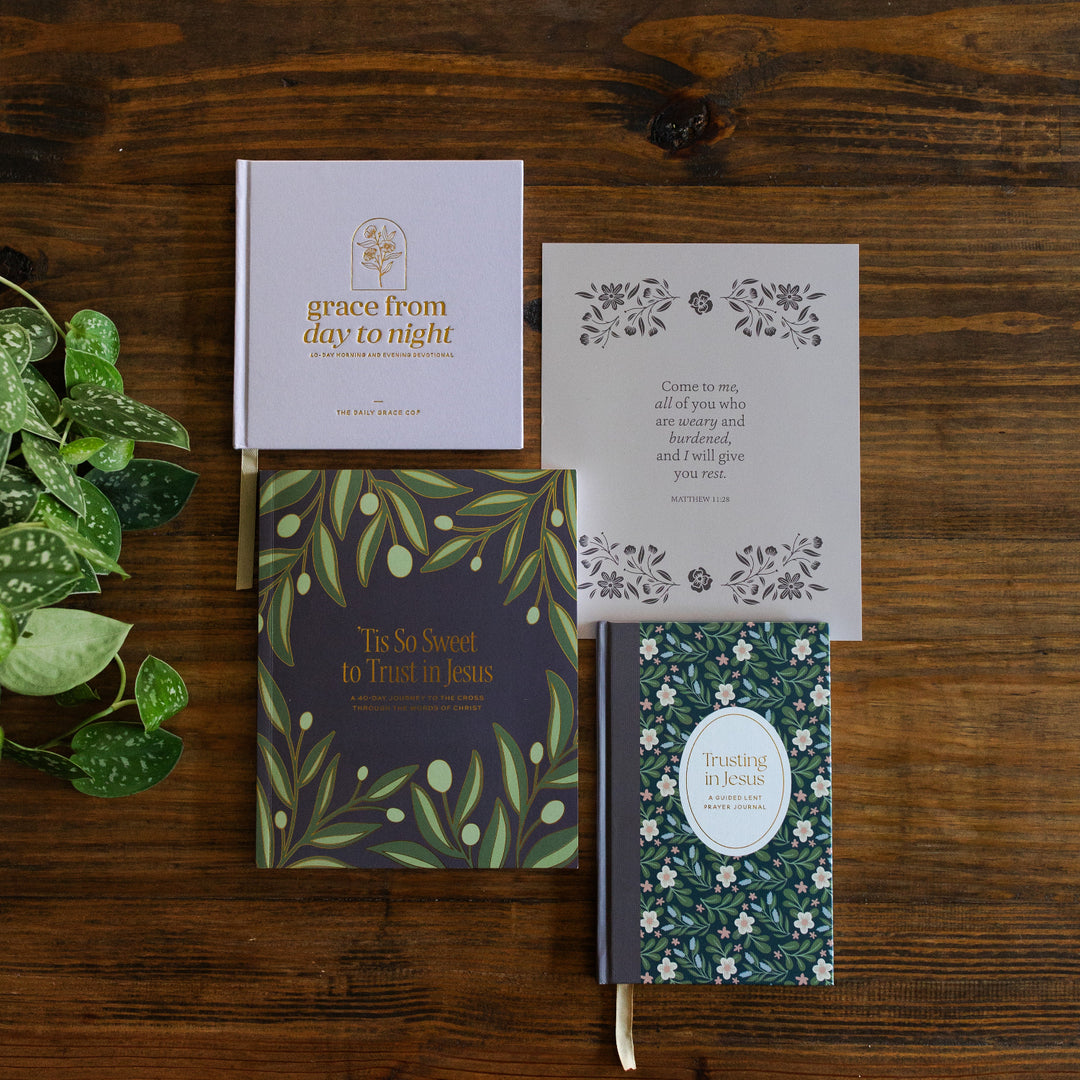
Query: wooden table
(138, 939)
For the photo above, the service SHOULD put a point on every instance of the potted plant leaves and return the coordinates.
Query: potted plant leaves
(70, 486)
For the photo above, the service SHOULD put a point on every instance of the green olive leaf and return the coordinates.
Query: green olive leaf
(123, 759)
(60, 648)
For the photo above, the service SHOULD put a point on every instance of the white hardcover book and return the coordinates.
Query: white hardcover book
(378, 305)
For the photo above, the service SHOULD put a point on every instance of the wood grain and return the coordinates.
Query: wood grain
(138, 939)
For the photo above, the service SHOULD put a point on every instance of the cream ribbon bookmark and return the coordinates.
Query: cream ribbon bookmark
(624, 1025)
(245, 545)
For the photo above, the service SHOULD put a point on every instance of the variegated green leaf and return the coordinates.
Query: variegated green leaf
(38, 326)
(98, 331)
(160, 692)
(146, 493)
(19, 492)
(36, 424)
(12, 394)
(105, 412)
(60, 648)
(54, 472)
(9, 632)
(114, 455)
(15, 340)
(84, 367)
(75, 453)
(63, 521)
(122, 759)
(41, 394)
(36, 568)
(45, 761)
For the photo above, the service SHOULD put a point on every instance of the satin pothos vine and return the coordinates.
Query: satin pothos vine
(70, 487)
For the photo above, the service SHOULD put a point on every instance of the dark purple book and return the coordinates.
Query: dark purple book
(417, 669)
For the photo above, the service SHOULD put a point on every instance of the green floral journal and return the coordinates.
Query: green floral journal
(715, 817)
(417, 669)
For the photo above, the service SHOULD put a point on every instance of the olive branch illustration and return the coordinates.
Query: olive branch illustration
(312, 515)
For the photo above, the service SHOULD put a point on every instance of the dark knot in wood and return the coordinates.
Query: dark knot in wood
(15, 266)
(680, 123)
(531, 314)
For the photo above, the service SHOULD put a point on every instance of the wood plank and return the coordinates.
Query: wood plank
(967, 95)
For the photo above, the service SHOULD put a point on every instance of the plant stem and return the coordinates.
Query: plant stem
(117, 704)
(36, 303)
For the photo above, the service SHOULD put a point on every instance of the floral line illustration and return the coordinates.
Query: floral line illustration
(624, 571)
(768, 309)
(642, 304)
(767, 575)
(380, 250)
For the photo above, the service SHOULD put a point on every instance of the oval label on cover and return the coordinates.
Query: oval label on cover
(735, 781)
